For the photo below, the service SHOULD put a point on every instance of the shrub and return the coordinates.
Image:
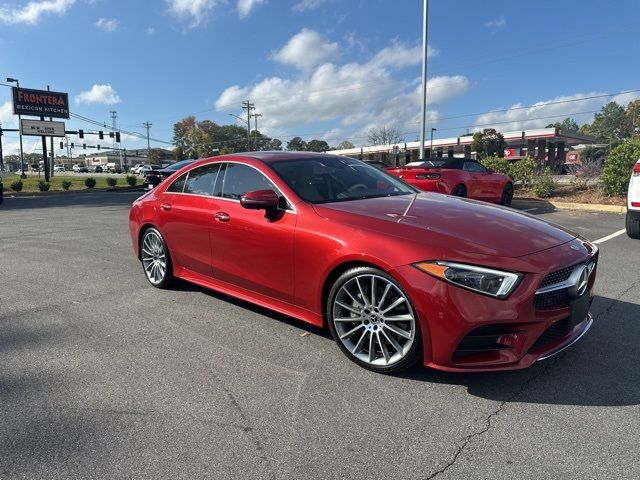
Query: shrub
(544, 184)
(90, 182)
(43, 186)
(497, 164)
(112, 181)
(617, 168)
(132, 180)
(16, 186)
(66, 184)
(522, 171)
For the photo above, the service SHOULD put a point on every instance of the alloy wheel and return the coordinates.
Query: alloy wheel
(374, 320)
(154, 257)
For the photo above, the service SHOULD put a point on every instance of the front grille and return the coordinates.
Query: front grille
(557, 277)
(553, 299)
(555, 332)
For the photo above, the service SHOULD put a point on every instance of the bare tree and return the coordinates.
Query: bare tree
(384, 135)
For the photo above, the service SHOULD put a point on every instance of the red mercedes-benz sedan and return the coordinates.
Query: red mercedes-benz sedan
(397, 275)
(462, 177)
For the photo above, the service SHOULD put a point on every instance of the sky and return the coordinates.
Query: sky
(326, 69)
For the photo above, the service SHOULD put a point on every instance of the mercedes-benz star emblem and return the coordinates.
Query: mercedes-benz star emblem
(579, 280)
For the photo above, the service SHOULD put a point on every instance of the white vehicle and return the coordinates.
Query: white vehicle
(58, 168)
(76, 168)
(137, 168)
(633, 203)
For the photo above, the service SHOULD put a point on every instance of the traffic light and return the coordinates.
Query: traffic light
(110, 134)
(61, 145)
(80, 133)
(117, 137)
(101, 135)
(84, 146)
(72, 144)
(99, 145)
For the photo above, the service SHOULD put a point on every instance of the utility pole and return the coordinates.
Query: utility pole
(248, 106)
(255, 119)
(53, 156)
(425, 21)
(114, 115)
(1, 157)
(148, 125)
(15, 80)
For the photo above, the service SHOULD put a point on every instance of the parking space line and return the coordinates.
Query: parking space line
(609, 237)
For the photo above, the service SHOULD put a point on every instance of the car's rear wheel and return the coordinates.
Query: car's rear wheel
(459, 191)
(372, 320)
(507, 195)
(155, 259)
(633, 226)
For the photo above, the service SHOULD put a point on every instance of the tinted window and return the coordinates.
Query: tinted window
(240, 179)
(474, 167)
(201, 180)
(178, 184)
(336, 179)
(178, 165)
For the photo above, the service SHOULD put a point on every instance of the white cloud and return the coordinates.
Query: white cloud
(7, 118)
(540, 114)
(306, 5)
(356, 95)
(245, 6)
(32, 11)
(103, 94)
(194, 12)
(497, 24)
(307, 49)
(400, 55)
(107, 25)
(626, 98)
(150, 31)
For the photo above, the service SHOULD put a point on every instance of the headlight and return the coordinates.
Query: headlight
(487, 281)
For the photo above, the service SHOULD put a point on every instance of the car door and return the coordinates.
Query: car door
(481, 185)
(249, 250)
(184, 218)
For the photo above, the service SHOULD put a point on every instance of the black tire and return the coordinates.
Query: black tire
(633, 226)
(167, 278)
(507, 195)
(412, 350)
(459, 191)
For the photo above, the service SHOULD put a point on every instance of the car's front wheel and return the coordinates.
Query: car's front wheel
(373, 321)
(633, 226)
(155, 258)
(459, 191)
(507, 195)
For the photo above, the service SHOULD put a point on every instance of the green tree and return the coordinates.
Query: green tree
(568, 125)
(317, 146)
(633, 117)
(488, 143)
(617, 168)
(297, 144)
(344, 145)
(611, 125)
(155, 156)
(275, 144)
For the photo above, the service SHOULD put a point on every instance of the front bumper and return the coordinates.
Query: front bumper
(464, 331)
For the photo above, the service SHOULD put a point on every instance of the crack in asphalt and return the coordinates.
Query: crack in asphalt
(466, 440)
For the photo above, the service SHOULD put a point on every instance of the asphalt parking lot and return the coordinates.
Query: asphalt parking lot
(103, 376)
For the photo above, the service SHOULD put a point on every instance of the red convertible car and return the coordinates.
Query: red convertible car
(397, 275)
(461, 177)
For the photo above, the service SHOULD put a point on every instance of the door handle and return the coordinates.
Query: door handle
(222, 216)
(165, 206)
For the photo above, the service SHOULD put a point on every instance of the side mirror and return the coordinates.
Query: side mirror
(489, 170)
(260, 200)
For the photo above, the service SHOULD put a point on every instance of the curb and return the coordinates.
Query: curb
(68, 192)
(584, 207)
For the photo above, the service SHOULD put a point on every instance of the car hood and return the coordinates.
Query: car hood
(450, 223)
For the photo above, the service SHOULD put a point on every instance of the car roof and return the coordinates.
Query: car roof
(274, 156)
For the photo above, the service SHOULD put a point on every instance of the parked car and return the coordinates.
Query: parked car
(97, 169)
(633, 203)
(83, 169)
(58, 168)
(376, 163)
(136, 170)
(154, 177)
(461, 177)
(397, 275)
(112, 167)
(147, 168)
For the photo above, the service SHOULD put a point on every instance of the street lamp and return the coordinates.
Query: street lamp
(431, 148)
(15, 80)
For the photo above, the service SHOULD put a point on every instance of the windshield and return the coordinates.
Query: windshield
(338, 179)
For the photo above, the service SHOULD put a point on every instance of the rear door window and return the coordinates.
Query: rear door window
(201, 180)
